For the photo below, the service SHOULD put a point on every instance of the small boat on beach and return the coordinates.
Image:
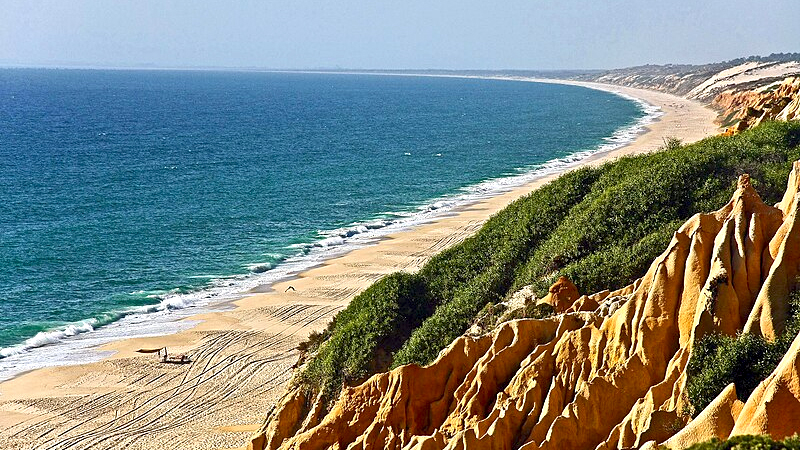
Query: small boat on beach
(181, 358)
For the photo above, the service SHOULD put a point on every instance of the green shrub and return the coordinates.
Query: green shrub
(601, 227)
(636, 199)
(361, 338)
(616, 265)
(749, 443)
(745, 360)
(448, 321)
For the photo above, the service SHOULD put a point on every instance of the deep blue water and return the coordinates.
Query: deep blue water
(119, 189)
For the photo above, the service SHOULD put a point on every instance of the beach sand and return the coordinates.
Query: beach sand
(243, 358)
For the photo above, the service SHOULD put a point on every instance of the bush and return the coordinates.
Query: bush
(448, 321)
(361, 338)
(636, 199)
(745, 360)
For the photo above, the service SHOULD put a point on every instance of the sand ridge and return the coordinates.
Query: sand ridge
(243, 358)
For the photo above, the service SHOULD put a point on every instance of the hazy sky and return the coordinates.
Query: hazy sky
(454, 34)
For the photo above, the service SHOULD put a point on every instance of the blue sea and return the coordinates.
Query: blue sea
(131, 199)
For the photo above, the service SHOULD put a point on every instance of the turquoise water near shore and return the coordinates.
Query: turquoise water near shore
(130, 195)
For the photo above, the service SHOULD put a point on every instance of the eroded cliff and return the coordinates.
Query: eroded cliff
(746, 109)
(608, 373)
(746, 91)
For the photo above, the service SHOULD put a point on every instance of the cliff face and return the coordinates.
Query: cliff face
(704, 82)
(608, 373)
(744, 77)
(746, 109)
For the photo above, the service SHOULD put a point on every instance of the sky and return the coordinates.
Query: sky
(392, 34)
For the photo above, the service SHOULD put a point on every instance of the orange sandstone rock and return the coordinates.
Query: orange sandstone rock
(716, 421)
(780, 101)
(774, 407)
(561, 295)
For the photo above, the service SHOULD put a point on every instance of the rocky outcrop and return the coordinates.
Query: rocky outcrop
(749, 76)
(716, 421)
(607, 373)
(746, 109)
(774, 407)
(561, 295)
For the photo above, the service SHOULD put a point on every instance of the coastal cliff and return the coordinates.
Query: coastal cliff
(745, 92)
(612, 371)
(608, 373)
(631, 365)
(745, 109)
(704, 81)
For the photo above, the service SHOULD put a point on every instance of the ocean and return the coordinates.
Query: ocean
(132, 199)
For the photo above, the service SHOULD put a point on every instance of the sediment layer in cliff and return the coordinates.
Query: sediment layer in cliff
(746, 92)
(608, 373)
(704, 82)
(746, 109)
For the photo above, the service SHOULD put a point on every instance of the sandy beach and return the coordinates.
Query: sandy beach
(243, 358)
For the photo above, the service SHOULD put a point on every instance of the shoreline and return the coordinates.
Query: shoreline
(78, 342)
(75, 343)
(247, 353)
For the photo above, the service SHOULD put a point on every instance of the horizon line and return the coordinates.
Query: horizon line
(268, 69)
